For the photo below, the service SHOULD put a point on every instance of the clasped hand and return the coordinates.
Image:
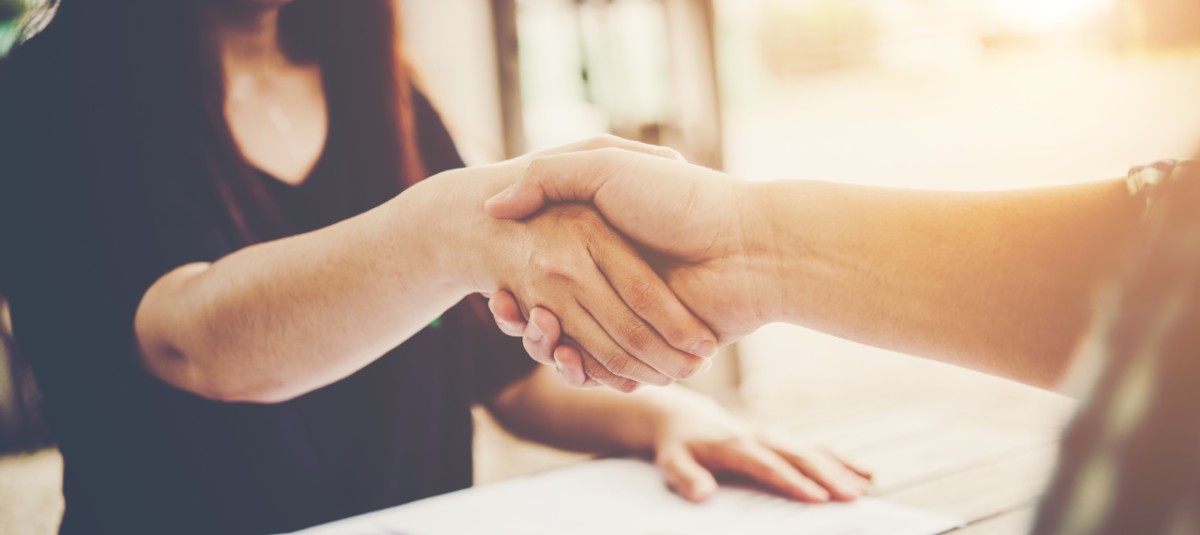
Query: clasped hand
(568, 261)
(695, 227)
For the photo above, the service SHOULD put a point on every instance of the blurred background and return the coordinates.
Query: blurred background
(954, 94)
(957, 94)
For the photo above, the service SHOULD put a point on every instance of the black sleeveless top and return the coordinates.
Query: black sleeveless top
(143, 457)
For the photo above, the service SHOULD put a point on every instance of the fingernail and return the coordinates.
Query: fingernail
(706, 349)
(820, 494)
(499, 197)
(705, 366)
(533, 332)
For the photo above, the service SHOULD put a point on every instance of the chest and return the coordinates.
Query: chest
(279, 120)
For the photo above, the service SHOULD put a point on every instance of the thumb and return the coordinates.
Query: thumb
(518, 201)
(685, 476)
(575, 176)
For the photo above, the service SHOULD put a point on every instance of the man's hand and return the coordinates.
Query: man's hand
(699, 228)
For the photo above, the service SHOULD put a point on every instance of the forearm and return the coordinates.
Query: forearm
(278, 319)
(998, 281)
(541, 408)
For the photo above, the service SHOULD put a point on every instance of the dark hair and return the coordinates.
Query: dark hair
(154, 60)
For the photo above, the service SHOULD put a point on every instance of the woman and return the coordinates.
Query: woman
(228, 275)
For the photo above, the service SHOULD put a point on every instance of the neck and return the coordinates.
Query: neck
(247, 36)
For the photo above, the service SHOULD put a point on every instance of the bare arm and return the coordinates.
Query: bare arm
(279, 319)
(998, 281)
(282, 318)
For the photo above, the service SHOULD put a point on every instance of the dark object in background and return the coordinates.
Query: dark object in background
(21, 425)
(11, 9)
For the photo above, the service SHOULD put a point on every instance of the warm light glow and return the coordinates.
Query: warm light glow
(1042, 15)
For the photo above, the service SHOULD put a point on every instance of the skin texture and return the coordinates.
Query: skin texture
(267, 323)
(282, 318)
(997, 281)
(278, 319)
(692, 440)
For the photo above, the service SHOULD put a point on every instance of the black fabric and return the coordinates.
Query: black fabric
(83, 236)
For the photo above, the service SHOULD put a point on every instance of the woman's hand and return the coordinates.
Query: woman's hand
(570, 262)
(692, 439)
(701, 442)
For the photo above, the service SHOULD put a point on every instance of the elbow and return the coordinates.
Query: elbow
(176, 359)
(190, 373)
(177, 350)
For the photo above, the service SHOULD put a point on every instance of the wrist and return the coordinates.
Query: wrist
(441, 213)
(784, 225)
(464, 239)
(765, 255)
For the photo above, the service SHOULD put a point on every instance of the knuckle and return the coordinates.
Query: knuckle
(611, 150)
(639, 337)
(643, 296)
(620, 365)
(535, 166)
(625, 385)
(672, 154)
(605, 140)
(553, 267)
(689, 367)
(589, 223)
(681, 335)
(593, 369)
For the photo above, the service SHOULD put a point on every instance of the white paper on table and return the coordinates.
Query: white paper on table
(627, 497)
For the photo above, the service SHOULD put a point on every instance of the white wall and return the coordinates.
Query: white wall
(450, 44)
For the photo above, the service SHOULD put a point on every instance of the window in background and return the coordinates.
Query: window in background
(955, 93)
(959, 94)
(642, 69)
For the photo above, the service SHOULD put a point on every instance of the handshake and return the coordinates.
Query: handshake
(682, 264)
(635, 265)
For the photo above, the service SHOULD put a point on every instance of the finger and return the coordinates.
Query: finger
(603, 141)
(541, 335)
(685, 476)
(852, 472)
(619, 340)
(507, 313)
(853, 467)
(636, 338)
(597, 375)
(768, 468)
(842, 484)
(578, 369)
(650, 299)
(570, 366)
(576, 176)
